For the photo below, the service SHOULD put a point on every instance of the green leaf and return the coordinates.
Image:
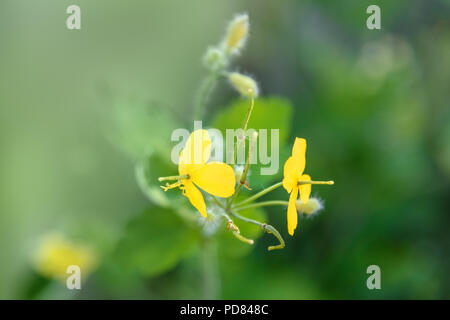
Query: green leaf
(154, 242)
(141, 128)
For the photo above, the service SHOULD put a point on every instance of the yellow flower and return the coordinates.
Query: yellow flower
(296, 182)
(216, 178)
(55, 253)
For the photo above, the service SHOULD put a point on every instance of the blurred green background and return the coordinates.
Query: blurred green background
(373, 105)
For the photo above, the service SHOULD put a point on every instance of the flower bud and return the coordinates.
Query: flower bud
(244, 84)
(313, 206)
(213, 59)
(237, 32)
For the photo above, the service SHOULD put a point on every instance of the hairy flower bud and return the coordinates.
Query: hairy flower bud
(237, 32)
(243, 84)
(213, 58)
(238, 170)
(313, 206)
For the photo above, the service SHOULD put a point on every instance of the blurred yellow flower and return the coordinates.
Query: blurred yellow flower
(216, 178)
(295, 181)
(55, 253)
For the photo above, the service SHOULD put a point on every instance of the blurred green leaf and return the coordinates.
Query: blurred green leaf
(142, 128)
(155, 241)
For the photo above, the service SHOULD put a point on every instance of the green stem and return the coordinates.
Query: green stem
(241, 138)
(218, 202)
(249, 112)
(204, 92)
(266, 227)
(260, 194)
(245, 172)
(269, 229)
(211, 278)
(230, 224)
(238, 236)
(262, 204)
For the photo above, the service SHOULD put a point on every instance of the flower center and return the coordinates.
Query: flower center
(169, 186)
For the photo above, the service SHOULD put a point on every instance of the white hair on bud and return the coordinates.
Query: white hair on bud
(237, 33)
(310, 208)
(244, 84)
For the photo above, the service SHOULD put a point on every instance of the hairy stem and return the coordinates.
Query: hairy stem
(204, 92)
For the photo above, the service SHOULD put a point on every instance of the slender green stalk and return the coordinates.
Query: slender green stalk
(246, 168)
(266, 227)
(260, 194)
(231, 226)
(240, 237)
(238, 216)
(269, 229)
(211, 277)
(241, 138)
(204, 92)
(262, 204)
(249, 112)
(216, 201)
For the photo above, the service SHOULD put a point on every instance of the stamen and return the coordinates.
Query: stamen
(300, 182)
(171, 186)
(246, 185)
(184, 176)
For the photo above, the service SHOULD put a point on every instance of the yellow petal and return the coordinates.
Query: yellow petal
(305, 189)
(290, 175)
(196, 152)
(299, 155)
(295, 164)
(195, 197)
(215, 178)
(292, 212)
